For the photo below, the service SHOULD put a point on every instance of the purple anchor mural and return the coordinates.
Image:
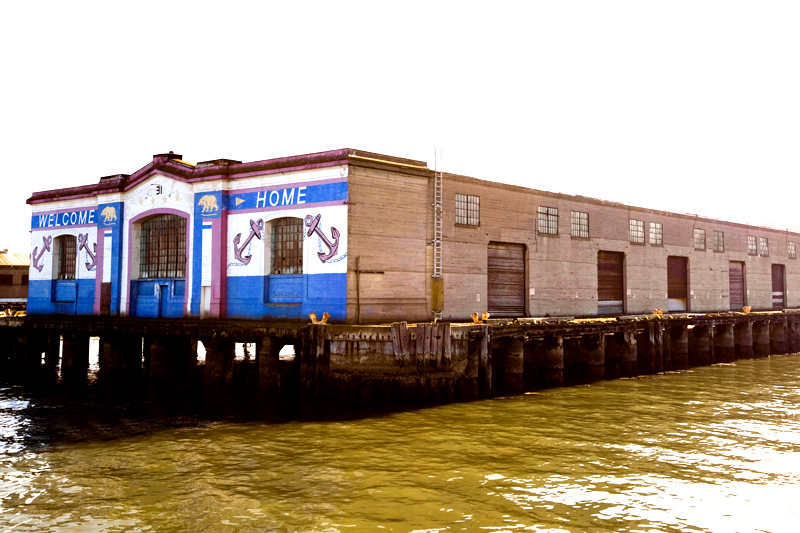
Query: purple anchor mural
(255, 231)
(83, 243)
(46, 242)
(313, 227)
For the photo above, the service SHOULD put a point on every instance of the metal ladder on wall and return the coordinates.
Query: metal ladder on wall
(437, 231)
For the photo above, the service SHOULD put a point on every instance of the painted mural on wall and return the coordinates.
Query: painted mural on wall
(36, 255)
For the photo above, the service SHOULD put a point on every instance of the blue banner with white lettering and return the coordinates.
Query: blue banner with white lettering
(79, 217)
(289, 196)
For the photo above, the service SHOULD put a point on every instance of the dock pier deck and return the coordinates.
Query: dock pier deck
(433, 362)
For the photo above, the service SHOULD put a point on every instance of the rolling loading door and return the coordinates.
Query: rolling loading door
(777, 286)
(736, 277)
(506, 279)
(609, 282)
(677, 283)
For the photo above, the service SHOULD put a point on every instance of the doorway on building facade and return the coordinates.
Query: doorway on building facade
(777, 287)
(506, 279)
(610, 283)
(736, 277)
(677, 283)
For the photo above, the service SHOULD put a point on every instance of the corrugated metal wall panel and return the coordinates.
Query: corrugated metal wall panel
(736, 277)
(506, 279)
(610, 292)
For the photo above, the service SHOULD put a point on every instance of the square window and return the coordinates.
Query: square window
(763, 246)
(580, 224)
(6, 279)
(548, 220)
(656, 234)
(699, 239)
(637, 231)
(792, 251)
(751, 245)
(468, 210)
(719, 241)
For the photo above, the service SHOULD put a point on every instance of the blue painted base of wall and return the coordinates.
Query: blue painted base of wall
(51, 297)
(155, 298)
(289, 297)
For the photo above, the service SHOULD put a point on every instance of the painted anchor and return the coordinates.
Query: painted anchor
(83, 239)
(46, 241)
(313, 226)
(255, 231)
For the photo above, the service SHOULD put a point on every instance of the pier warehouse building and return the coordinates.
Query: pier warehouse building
(373, 238)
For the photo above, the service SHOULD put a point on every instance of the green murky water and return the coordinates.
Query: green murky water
(713, 449)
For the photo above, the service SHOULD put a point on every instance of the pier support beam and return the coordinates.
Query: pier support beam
(678, 348)
(269, 377)
(315, 362)
(218, 376)
(650, 349)
(485, 370)
(724, 351)
(743, 340)
(777, 336)
(553, 358)
(52, 355)
(793, 334)
(514, 367)
(701, 345)
(172, 364)
(621, 354)
(468, 385)
(75, 358)
(112, 359)
(761, 346)
(593, 351)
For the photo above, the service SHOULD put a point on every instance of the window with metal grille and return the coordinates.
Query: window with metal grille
(763, 246)
(637, 231)
(162, 247)
(66, 256)
(468, 210)
(751, 245)
(656, 234)
(548, 220)
(286, 246)
(699, 239)
(792, 251)
(6, 279)
(580, 224)
(719, 241)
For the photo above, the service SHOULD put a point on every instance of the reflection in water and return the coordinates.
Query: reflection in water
(713, 449)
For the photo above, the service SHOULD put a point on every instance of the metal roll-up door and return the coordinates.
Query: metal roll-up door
(506, 279)
(677, 283)
(610, 282)
(736, 277)
(777, 287)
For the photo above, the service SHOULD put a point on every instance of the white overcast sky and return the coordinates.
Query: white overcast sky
(692, 107)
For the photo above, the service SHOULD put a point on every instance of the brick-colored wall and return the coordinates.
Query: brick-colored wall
(391, 228)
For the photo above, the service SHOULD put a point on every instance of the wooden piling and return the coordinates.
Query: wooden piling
(777, 336)
(743, 340)
(761, 339)
(724, 343)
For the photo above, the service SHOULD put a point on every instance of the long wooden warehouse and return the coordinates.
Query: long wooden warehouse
(373, 238)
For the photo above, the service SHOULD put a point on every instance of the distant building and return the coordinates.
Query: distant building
(13, 281)
(354, 234)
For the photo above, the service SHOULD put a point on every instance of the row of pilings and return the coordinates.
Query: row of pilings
(429, 362)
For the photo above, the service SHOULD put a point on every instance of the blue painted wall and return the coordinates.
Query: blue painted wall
(288, 297)
(61, 297)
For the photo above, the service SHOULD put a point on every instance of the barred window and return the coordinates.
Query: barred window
(6, 279)
(66, 251)
(763, 246)
(719, 241)
(468, 210)
(699, 239)
(751, 245)
(792, 251)
(637, 231)
(580, 224)
(656, 234)
(286, 246)
(548, 220)
(162, 247)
